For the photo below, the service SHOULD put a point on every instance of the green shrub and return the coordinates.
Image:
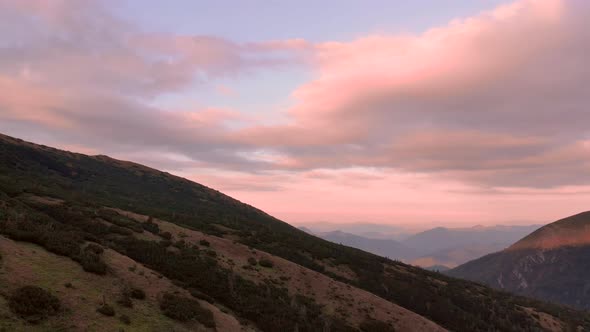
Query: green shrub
(180, 244)
(204, 243)
(125, 300)
(119, 230)
(125, 319)
(184, 309)
(200, 295)
(150, 226)
(91, 262)
(252, 261)
(33, 303)
(94, 248)
(62, 243)
(137, 293)
(106, 310)
(266, 263)
(372, 325)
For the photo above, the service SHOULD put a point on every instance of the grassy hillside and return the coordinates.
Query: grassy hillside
(49, 194)
(82, 293)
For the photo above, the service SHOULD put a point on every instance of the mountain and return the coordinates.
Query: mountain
(366, 230)
(552, 263)
(306, 230)
(455, 256)
(94, 243)
(441, 247)
(441, 238)
(451, 247)
(439, 268)
(386, 248)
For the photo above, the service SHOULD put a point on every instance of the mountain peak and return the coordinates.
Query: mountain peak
(570, 231)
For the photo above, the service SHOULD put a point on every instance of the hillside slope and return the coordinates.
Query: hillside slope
(82, 293)
(62, 201)
(552, 263)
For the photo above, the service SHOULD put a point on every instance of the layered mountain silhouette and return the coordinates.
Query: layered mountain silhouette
(94, 243)
(552, 263)
(438, 248)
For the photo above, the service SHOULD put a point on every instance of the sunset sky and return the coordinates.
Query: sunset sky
(439, 112)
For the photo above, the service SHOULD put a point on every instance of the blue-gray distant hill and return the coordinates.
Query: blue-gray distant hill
(440, 247)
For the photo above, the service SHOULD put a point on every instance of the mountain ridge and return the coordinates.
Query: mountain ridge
(448, 247)
(551, 264)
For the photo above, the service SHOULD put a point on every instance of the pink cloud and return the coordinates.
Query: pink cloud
(484, 114)
(499, 90)
(21, 100)
(361, 195)
(225, 90)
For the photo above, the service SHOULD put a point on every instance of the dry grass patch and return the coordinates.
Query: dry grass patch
(81, 293)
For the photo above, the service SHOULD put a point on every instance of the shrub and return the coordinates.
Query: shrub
(125, 319)
(91, 262)
(119, 230)
(137, 293)
(200, 295)
(125, 300)
(106, 310)
(184, 309)
(252, 261)
(150, 226)
(372, 325)
(166, 235)
(62, 243)
(204, 243)
(94, 248)
(180, 244)
(33, 303)
(266, 263)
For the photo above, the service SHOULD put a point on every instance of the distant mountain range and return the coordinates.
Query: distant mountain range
(437, 248)
(386, 248)
(552, 263)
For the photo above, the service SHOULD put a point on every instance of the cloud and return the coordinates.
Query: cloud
(500, 98)
(77, 73)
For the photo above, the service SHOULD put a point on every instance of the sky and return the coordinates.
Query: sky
(415, 113)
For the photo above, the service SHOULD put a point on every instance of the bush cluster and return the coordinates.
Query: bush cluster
(106, 310)
(33, 303)
(266, 263)
(184, 309)
(137, 293)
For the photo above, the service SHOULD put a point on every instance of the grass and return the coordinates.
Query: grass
(26, 263)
